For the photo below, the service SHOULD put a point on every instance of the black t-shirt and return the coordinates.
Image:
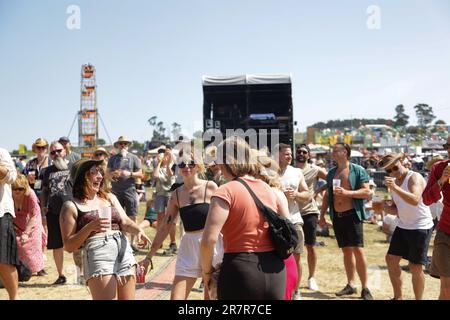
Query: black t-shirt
(59, 188)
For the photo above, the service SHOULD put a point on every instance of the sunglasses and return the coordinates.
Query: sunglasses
(123, 143)
(394, 168)
(302, 152)
(41, 148)
(95, 171)
(184, 164)
(18, 189)
(99, 154)
(56, 151)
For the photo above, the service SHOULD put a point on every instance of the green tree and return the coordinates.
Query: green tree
(401, 118)
(425, 115)
(176, 131)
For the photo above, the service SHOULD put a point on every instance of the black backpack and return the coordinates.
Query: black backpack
(281, 230)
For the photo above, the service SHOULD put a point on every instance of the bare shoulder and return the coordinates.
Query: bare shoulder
(69, 208)
(212, 186)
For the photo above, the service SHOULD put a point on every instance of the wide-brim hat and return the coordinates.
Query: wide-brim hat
(40, 142)
(389, 159)
(433, 161)
(102, 150)
(80, 167)
(122, 139)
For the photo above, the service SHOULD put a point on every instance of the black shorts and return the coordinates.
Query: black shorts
(54, 240)
(8, 244)
(411, 245)
(348, 229)
(129, 203)
(152, 221)
(310, 228)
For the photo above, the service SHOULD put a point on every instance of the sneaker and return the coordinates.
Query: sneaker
(366, 295)
(297, 295)
(60, 280)
(42, 273)
(201, 286)
(348, 290)
(173, 247)
(312, 284)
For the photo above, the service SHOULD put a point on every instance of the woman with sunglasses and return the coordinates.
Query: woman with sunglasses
(109, 264)
(29, 230)
(191, 200)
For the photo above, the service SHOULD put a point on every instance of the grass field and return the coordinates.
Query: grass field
(330, 274)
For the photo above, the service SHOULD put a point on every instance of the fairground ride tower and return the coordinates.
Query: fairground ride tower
(88, 116)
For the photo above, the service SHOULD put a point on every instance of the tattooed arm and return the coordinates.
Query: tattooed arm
(169, 220)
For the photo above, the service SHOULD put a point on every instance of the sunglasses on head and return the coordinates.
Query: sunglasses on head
(394, 168)
(56, 151)
(184, 164)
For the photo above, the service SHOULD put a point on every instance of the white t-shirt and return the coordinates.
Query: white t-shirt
(292, 177)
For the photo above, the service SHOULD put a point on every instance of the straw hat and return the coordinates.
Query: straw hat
(122, 139)
(389, 159)
(102, 150)
(40, 142)
(433, 161)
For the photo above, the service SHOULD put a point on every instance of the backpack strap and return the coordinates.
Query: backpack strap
(258, 202)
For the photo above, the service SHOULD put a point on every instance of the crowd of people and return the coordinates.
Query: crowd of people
(58, 200)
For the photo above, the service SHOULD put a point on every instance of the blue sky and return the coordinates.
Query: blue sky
(150, 56)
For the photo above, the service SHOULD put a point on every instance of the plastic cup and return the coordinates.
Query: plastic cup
(336, 183)
(105, 213)
(140, 276)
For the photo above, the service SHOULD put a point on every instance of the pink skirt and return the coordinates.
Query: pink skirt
(291, 277)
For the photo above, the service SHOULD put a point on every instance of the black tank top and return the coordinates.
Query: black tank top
(194, 215)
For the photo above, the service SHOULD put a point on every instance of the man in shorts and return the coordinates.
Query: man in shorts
(347, 187)
(296, 191)
(309, 210)
(439, 186)
(124, 167)
(56, 189)
(414, 224)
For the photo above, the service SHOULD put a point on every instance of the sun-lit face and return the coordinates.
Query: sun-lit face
(339, 152)
(187, 167)
(285, 157)
(95, 176)
(57, 151)
(394, 170)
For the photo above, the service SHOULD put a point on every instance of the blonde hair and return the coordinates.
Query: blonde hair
(268, 169)
(195, 155)
(235, 155)
(21, 182)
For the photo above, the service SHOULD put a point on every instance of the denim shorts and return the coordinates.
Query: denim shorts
(161, 203)
(109, 254)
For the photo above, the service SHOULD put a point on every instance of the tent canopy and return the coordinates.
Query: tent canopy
(246, 79)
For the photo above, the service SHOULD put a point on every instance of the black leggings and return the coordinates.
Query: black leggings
(252, 276)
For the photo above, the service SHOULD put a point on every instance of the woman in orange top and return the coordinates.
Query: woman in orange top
(251, 269)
